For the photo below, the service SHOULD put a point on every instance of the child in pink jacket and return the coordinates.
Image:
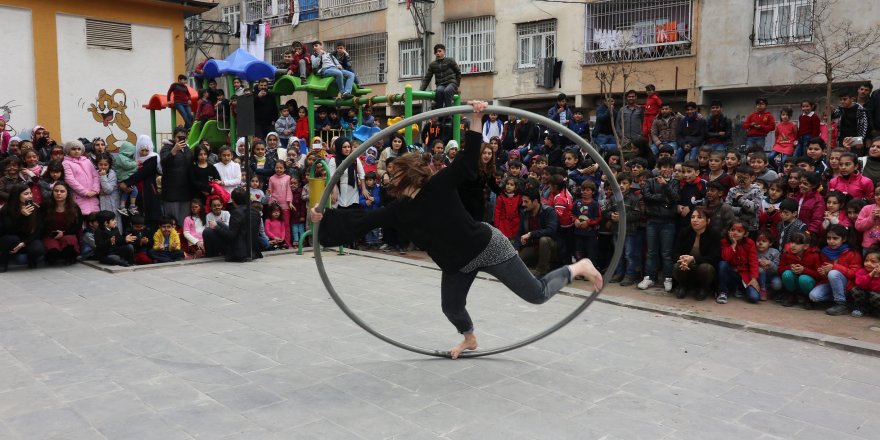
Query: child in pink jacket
(280, 193)
(866, 294)
(82, 177)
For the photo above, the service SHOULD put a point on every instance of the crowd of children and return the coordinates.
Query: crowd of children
(797, 221)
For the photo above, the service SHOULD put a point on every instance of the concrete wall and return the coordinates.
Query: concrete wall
(18, 89)
(127, 78)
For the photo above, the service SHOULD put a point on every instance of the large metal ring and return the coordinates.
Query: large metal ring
(449, 111)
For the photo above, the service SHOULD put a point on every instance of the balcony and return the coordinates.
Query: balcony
(623, 31)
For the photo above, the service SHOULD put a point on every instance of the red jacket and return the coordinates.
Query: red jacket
(766, 121)
(812, 212)
(302, 130)
(769, 221)
(178, 93)
(507, 215)
(848, 263)
(652, 109)
(809, 125)
(744, 259)
(856, 185)
(206, 110)
(865, 281)
(809, 259)
(563, 203)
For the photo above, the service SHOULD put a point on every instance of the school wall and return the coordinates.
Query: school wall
(17, 89)
(115, 83)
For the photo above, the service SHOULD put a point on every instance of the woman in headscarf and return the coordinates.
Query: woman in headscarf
(351, 184)
(145, 179)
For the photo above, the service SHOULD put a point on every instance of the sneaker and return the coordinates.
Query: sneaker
(347, 95)
(739, 293)
(122, 211)
(618, 277)
(402, 250)
(836, 310)
(384, 248)
(680, 293)
(667, 284)
(627, 281)
(857, 313)
(763, 294)
(646, 283)
(721, 298)
(133, 210)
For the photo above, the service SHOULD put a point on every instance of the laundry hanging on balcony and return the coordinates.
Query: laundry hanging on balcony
(254, 39)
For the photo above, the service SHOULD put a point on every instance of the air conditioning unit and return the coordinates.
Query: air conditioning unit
(546, 73)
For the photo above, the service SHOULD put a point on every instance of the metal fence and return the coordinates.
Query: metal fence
(342, 8)
(625, 30)
(783, 22)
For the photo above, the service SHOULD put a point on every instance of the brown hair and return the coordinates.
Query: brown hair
(488, 168)
(413, 171)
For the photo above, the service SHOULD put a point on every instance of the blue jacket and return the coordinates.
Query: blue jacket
(548, 223)
(377, 201)
(603, 121)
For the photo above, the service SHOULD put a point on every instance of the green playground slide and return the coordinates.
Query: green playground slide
(321, 86)
(208, 131)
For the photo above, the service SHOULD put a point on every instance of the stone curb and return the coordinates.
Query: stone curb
(845, 344)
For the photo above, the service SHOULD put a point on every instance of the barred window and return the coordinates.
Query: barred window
(105, 34)
(630, 30)
(275, 55)
(411, 59)
(232, 16)
(342, 8)
(273, 12)
(783, 22)
(471, 42)
(535, 42)
(368, 56)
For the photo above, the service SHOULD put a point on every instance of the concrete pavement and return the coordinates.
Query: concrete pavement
(259, 351)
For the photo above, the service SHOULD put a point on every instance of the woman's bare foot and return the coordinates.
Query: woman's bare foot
(469, 343)
(584, 267)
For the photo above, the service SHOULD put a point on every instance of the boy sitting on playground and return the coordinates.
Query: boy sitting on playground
(299, 62)
(327, 65)
(344, 59)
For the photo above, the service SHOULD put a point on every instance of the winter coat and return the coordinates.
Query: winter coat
(443, 71)
(548, 224)
(661, 200)
(691, 131)
(715, 125)
(175, 174)
(746, 204)
(82, 177)
(869, 228)
(302, 128)
(848, 263)
(710, 251)
(563, 203)
(125, 163)
(507, 214)
(865, 281)
(664, 130)
(109, 198)
(629, 122)
(766, 121)
(288, 123)
(279, 191)
(721, 216)
(744, 259)
(173, 241)
(604, 120)
(206, 110)
(809, 259)
(861, 120)
(812, 212)
(148, 195)
(557, 115)
(855, 185)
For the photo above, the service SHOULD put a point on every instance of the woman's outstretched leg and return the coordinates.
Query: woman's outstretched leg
(454, 287)
(514, 274)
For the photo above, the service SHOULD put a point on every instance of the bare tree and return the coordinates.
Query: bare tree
(618, 74)
(838, 50)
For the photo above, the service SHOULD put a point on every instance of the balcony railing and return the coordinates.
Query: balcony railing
(342, 8)
(619, 31)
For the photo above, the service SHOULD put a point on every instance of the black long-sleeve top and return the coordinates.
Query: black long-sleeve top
(435, 219)
(199, 177)
(26, 228)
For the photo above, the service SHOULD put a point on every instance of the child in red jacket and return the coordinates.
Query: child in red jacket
(652, 109)
(837, 270)
(866, 294)
(507, 215)
(738, 268)
(797, 266)
(759, 124)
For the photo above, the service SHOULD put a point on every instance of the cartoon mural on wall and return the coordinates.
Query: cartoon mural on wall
(109, 110)
(6, 113)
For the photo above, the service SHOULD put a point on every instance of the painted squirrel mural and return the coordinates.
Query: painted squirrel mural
(109, 110)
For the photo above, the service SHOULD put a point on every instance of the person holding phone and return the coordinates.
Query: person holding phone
(22, 224)
(177, 192)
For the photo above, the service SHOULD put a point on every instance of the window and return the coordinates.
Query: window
(783, 22)
(342, 8)
(367, 56)
(471, 43)
(275, 55)
(104, 34)
(411, 59)
(308, 10)
(231, 15)
(273, 12)
(631, 30)
(535, 41)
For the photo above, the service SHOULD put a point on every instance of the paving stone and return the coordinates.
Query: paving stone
(46, 423)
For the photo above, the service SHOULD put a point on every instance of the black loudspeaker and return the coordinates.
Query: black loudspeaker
(244, 118)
